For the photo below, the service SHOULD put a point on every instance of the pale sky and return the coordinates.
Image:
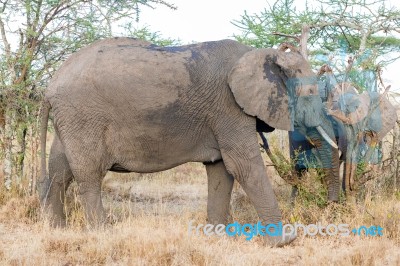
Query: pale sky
(209, 20)
(194, 20)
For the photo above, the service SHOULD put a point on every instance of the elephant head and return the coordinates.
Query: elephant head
(279, 88)
(364, 120)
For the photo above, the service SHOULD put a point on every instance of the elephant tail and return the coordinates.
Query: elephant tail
(44, 180)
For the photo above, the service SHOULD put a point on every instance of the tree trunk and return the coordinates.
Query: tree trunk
(20, 154)
(14, 147)
(7, 144)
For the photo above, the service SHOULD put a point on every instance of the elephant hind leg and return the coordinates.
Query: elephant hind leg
(89, 161)
(220, 184)
(60, 175)
(91, 200)
(89, 176)
(89, 171)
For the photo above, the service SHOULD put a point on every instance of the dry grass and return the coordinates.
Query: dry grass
(150, 227)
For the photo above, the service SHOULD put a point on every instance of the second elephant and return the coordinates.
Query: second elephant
(361, 122)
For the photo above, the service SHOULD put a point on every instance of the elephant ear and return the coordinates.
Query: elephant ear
(257, 81)
(383, 118)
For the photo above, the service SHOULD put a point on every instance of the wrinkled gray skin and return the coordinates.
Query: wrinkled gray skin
(126, 105)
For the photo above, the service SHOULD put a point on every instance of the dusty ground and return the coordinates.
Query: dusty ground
(149, 226)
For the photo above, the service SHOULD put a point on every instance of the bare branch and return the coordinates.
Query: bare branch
(3, 8)
(364, 38)
(337, 23)
(7, 46)
(379, 72)
(287, 36)
(305, 34)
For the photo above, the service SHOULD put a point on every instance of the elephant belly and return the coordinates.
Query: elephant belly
(155, 152)
(157, 163)
(118, 168)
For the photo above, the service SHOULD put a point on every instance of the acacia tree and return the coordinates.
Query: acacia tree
(36, 36)
(360, 30)
(352, 37)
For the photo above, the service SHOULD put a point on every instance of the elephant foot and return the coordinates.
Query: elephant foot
(279, 241)
(55, 221)
(333, 198)
(58, 223)
(54, 216)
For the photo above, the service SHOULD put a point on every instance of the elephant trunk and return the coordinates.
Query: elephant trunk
(350, 166)
(312, 122)
(329, 157)
(349, 172)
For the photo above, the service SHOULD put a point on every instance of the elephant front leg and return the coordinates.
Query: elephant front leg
(248, 169)
(220, 184)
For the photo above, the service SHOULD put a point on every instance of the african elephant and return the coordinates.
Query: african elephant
(127, 105)
(361, 122)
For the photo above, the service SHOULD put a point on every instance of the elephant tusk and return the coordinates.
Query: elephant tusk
(326, 137)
